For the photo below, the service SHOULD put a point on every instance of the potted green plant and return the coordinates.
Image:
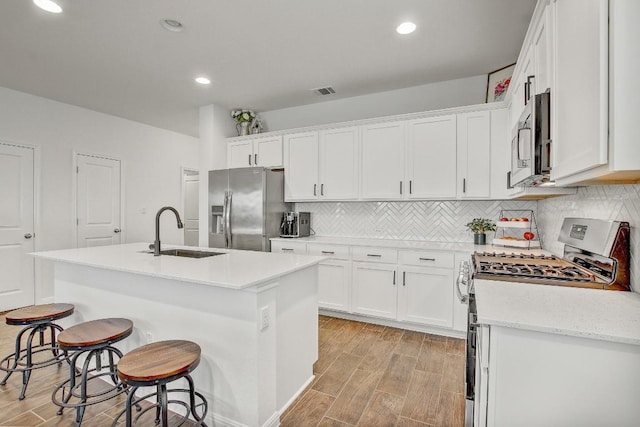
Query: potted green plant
(480, 226)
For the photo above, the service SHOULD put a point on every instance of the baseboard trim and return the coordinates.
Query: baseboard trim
(296, 395)
(395, 324)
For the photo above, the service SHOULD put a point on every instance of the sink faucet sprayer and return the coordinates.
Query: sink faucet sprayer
(156, 244)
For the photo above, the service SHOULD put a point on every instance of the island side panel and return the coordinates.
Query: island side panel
(297, 340)
(222, 321)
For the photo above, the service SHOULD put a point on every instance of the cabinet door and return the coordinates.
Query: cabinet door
(339, 161)
(520, 81)
(301, 166)
(383, 161)
(474, 155)
(334, 279)
(426, 296)
(267, 152)
(374, 289)
(580, 104)
(542, 49)
(431, 158)
(240, 154)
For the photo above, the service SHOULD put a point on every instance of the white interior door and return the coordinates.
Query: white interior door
(98, 201)
(191, 181)
(17, 287)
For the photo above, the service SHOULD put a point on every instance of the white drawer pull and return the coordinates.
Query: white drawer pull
(328, 252)
(427, 259)
(374, 255)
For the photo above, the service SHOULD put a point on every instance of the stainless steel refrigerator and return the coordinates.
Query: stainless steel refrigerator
(245, 207)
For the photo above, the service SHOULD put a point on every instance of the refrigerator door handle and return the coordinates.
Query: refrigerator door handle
(228, 226)
(225, 209)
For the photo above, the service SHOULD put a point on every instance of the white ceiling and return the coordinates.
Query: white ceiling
(114, 57)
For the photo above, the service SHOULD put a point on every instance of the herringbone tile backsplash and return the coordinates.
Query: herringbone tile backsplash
(613, 202)
(433, 221)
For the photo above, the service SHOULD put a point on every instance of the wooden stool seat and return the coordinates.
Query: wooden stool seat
(39, 313)
(95, 332)
(159, 362)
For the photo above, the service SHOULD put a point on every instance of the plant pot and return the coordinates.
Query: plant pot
(243, 128)
(479, 239)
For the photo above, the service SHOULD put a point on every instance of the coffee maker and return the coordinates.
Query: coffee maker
(295, 224)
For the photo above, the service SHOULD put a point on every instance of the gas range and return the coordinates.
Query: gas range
(596, 255)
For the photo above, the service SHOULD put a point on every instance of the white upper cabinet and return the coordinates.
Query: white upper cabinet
(301, 166)
(474, 155)
(261, 151)
(581, 79)
(542, 53)
(431, 158)
(383, 161)
(339, 161)
(597, 64)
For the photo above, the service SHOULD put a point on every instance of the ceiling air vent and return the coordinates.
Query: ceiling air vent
(322, 91)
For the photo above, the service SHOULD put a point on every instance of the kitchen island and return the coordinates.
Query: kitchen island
(254, 315)
(556, 356)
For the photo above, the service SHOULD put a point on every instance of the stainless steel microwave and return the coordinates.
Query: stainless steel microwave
(531, 143)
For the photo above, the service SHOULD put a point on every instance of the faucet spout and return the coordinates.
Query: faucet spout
(156, 244)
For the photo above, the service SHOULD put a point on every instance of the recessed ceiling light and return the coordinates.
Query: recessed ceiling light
(48, 5)
(172, 25)
(203, 80)
(406, 28)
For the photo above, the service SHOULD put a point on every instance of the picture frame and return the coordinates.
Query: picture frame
(498, 82)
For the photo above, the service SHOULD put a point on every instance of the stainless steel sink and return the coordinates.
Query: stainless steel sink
(187, 253)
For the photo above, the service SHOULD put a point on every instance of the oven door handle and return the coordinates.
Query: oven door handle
(464, 299)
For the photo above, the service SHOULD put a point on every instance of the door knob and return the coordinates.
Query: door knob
(116, 230)
(28, 236)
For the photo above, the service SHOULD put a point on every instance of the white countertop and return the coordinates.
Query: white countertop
(589, 313)
(235, 269)
(468, 247)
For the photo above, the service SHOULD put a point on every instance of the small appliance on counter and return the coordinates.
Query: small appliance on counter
(295, 224)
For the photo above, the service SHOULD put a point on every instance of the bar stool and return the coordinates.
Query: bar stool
(91, 339)
(157, 364)
(38, 319)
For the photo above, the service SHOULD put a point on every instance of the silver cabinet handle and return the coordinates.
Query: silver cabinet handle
(374, 255)
(328, 252)
(315, 186)
(322, 189)
(404, 278)
(255, 159)
(394, 277)
(28, 236)
(427, 259)
(286, 249)
(464, 299)
(116, 230)
(249, 159)
(400, 187)
(410, 186)
(464, 185)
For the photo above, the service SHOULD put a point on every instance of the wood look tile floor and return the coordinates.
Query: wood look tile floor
(375, 376)
(366, 375)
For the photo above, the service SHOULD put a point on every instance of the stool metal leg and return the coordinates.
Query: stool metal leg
(130, 398)
(164, 406)
(192, 401)
(72, 380)
(16, 355)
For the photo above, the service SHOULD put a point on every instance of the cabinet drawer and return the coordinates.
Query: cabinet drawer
(427, 258)
(299, 248)
(373, 254)
(332, 251)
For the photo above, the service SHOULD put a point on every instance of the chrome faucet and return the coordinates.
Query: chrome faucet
(156, 244)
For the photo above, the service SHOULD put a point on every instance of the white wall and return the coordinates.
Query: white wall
(151, 157)
(434, 96)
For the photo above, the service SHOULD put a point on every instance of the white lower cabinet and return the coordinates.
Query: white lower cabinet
(334, 278)
(425, 296)
(375, 289)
